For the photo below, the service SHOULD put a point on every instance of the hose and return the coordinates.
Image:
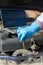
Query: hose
(13, 58)
(19, 52)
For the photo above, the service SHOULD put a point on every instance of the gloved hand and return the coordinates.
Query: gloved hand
(27, 31)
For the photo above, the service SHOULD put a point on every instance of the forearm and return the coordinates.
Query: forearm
(40, 24)
(39, 21)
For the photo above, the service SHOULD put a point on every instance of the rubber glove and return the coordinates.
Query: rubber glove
(26, 32)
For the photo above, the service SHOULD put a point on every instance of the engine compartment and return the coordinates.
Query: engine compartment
(10, 47)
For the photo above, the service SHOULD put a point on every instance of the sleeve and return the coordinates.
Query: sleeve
(39, 21)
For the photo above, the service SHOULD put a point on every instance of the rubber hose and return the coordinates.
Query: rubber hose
(13, 58)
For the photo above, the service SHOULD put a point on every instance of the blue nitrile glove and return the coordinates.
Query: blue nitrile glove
(26, 32)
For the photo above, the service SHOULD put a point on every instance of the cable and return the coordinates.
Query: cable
(13, 58)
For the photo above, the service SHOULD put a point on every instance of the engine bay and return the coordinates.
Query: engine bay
(12, 15)
(30, 52)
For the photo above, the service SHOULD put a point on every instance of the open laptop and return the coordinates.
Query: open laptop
(13, 18)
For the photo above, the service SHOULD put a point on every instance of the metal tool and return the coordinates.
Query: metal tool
(25, 52)
(6, 29)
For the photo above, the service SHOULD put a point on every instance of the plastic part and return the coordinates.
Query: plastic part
(11, 44)
(19, 52)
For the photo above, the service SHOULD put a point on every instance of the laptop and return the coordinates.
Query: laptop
(13, 18)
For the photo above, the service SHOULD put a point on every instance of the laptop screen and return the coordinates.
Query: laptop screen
(13, 17)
